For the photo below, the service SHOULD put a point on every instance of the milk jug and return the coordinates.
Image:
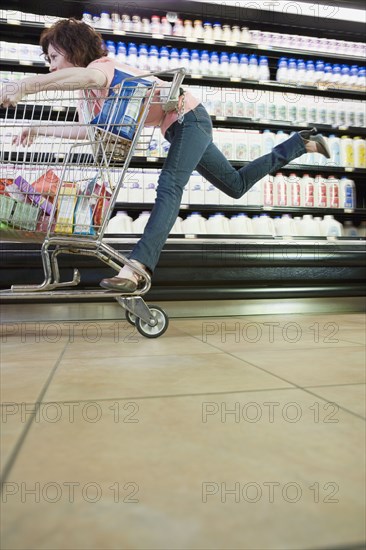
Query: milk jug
(332, 192)
(308, 226)
(120, 223)
(139, 224)
(241, 224)
(307, 191)
(347, 153)
(285, 226)
(359, 147)
(280, 190)
(334, 146)
(194, 224)
(263, 225)
(347, 193)
(293, 190)
(267, 190)
(329, 227)
(320, 192)
(268, 141)
(350, 230)
(177, 227)
(218, 224)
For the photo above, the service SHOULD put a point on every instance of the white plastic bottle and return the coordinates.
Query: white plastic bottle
(280, 190)
(105, 21)
(292, 71)
(139, 224)
(294, 190)
(244, 67)
(267, 190)
(334, 146)
(282, 70)
(241, 224)
(132, 55)
(307, 191)
(285, 226)
(218, 224)
(346, 152)
(350, 230)
(194, 224)
(263, 225)
(253, 67)
(320, 192)
(347, 193)
(359, 148)
(268, 141)
(329, 227)
(120, 223)
(234, 66)
(263, 69)
(121, 52)
(178, 29)
(308, 226)
(332, 192)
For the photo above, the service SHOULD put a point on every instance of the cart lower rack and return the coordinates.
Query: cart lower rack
(63, 158)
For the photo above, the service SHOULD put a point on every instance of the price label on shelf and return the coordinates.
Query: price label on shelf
(157, 35)
(234, 79)
(230, 43)
(196, 76)
(348, 210)
(152, 159)
(207, 41)
(120, 33)
(349, 169)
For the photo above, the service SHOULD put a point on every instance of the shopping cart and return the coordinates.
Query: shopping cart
(63, 158)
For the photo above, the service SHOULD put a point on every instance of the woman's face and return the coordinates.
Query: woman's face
(57, 59)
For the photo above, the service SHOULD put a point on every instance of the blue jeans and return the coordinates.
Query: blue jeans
(192, 149)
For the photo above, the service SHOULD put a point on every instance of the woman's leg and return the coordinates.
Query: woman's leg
(236, 182)
(189, 141)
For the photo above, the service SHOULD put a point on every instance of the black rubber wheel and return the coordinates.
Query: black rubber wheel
(159, 328)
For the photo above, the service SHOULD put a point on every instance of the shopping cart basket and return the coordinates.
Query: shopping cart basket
(59, 156)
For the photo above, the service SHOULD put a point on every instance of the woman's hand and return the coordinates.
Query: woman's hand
(26, 137)
(10, 93)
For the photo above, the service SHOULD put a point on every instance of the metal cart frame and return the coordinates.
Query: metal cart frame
(108, 149)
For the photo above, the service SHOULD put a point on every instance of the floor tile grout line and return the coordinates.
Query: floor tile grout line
(178, 395)
(19, 443)
(357, 415)
(160, 396)
(294, 385)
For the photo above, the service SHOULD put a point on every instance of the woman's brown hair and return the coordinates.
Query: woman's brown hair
(80, 43)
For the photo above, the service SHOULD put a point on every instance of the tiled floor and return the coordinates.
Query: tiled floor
(235, 433)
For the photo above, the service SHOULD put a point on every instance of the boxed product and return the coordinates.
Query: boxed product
(65, 208)
(47, 184)
(29, 192)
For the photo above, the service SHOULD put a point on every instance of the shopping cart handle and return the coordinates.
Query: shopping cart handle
(173, 97)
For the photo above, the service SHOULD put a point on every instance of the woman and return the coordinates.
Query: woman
(78, 60)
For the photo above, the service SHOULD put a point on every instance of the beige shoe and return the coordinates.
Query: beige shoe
(121, 285)
(321, 144)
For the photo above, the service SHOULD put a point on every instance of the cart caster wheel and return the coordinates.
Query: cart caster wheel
(130, 318)
(159, 328)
